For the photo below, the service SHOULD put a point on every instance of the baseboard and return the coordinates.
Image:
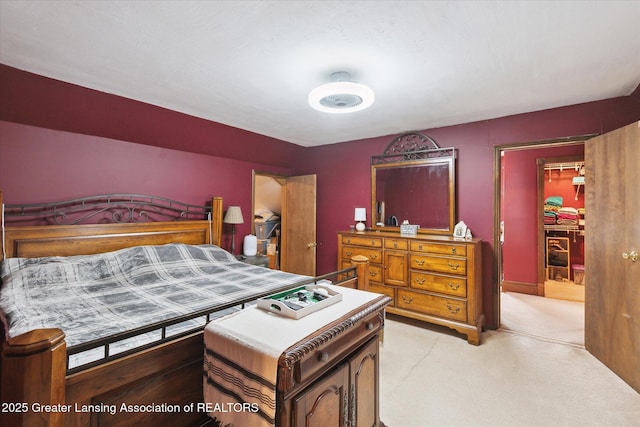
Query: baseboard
(520, 287)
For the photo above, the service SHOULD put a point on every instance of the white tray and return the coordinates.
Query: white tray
(285, 303)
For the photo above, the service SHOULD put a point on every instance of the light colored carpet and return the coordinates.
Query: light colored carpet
(546, 318)
(431, 376)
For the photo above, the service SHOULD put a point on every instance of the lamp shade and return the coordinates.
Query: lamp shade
(233, 215)
(361, 214)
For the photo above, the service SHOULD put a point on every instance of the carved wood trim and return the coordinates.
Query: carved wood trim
(113, 208)
(412, 146)
(297, 353)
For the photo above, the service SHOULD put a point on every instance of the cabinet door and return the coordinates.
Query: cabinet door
(364, 368)
(395, 268)
(324, 404)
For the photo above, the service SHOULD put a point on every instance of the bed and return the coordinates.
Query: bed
(119, 372)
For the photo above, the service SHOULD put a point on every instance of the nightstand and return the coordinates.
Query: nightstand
(261, 260)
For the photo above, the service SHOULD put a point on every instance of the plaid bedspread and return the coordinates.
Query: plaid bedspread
(94, 296)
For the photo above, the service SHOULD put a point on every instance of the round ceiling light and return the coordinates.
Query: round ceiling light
(341, 95)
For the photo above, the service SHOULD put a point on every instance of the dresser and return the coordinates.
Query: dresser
(436, 279)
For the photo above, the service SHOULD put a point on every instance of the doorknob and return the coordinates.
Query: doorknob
(633, 255)
(312, 244)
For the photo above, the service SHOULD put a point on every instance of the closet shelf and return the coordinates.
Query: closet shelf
(558, 227)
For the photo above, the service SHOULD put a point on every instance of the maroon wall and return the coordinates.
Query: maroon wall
(344, 182)
(39, 101)
(82, 142)
(520, 211)
(199, 158)
(44, 165)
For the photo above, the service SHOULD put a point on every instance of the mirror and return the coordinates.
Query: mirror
(420, 190)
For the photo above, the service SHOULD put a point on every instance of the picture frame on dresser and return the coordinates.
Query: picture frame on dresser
(460, 230)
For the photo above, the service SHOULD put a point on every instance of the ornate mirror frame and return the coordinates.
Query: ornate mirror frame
(415, 180)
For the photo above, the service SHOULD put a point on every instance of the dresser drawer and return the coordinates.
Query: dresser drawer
(372, 242)
(456, 286)
(439, 264)
(431, 304)
(382, 289)
(375, 270)
(374, 255)
(439, 248)
(399, 244)
(330, 352)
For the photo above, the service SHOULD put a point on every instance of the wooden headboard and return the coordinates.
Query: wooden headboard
(80, 239)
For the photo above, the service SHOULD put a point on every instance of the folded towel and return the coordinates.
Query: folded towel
(568, 210)
(553, 201)
(567, 216)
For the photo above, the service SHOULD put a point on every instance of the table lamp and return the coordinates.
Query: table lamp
(360, 215)
(233, 217)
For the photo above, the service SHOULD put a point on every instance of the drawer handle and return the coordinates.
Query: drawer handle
(348, 241)
(323, 357)
(453, 250)
(373, 273)
(453, 267)
(420, 280)
(369, 326)
(395, 245)
(453, 309)
(373, 242)
(420, 261)
(404, 298)
(373, 256)
(349, 253)
(419, 247)
(454, 286)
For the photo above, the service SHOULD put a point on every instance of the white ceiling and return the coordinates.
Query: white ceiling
(251, 64)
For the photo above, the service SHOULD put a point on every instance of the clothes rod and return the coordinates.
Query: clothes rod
(576, 166)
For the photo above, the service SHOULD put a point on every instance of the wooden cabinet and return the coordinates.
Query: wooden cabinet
(437, 279)
(332, 379)
(347, 396)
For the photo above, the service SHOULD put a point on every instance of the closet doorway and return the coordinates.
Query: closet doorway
(611, 249)
(284, 210)
(522, 256)
(267, 215)
(561, 235)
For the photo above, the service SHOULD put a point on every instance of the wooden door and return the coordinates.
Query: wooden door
(364, 379)
(324, 404)
(612, 276)
(299, 225)
(395, 268)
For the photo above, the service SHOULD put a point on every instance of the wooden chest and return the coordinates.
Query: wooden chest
(436, 279)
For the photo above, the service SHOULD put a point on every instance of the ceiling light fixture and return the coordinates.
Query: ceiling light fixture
(341, 95)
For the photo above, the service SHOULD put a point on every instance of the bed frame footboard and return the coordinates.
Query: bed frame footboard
(153, 386)
(33, 379)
